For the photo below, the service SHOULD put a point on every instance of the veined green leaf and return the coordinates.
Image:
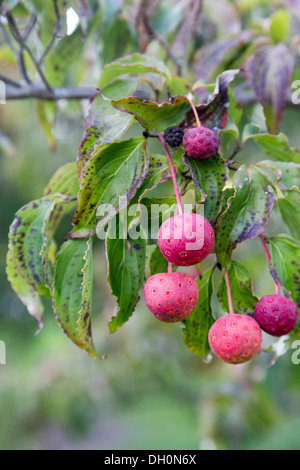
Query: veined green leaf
(116, 171)
(64, 181)
(210, 177)
(247, 212)
(277, 147)
(24, 291)
(244, 301)
(285, 266)
(198, 323)
(126, 271)
(72, 294)
(134, 64)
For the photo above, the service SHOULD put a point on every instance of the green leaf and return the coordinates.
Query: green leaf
(103, 124)
(280, 25)
(26, 240)
(247, 212)
(244, 301)
(288, 173)
(199, 322)
(277, 147)
(64, 181)
(72, 294)
(46, 113)
(113, 38)
(24, 291)
(134, 64)
(126, 271)
(152, 115)
(285, 265)
(210, 177)
(269, 73)
(158, 263)
(289, 205)
(117, 170)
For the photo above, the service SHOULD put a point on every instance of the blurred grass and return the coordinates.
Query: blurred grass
(150, 392)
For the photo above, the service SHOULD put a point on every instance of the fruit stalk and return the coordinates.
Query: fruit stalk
(268, 256)
(229, 296)
(176, 189)
(195, 112)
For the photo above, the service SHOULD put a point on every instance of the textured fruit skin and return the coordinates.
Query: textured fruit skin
(186, 239)
(171, 297)
(200, 143)
(235, 339)
(173, 136)
(276, 314)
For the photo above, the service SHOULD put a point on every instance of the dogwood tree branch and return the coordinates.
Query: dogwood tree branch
(42, 93)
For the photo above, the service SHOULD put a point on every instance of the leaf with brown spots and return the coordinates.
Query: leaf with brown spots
(72, 295)
(247, 213)
(210, 177)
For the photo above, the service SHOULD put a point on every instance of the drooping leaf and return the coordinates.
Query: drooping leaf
(247, 213)
(269, 73)
(212, 57)
(289, 206)
(285, 265)
(134, 64)
(72, 294)
(29, 297)
(64, 181)
(116, 171)
(126, 268)
(210, 177)
(198, 323)
(103, 124)
(214, 112)
(277, 147)
(244, 301)
(26, 240)
(153, 115)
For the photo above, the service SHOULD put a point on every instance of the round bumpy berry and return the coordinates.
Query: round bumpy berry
(186, 239)
(276, 314)
(235, 339)
(173, 136)
(171, 297)
(200, 143)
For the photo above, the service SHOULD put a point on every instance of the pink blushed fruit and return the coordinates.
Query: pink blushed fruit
(171, 297)
(235, 339)
(186, 239)
(200, 143)
(276, 314)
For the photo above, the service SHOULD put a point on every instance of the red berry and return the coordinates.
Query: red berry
(276, 314)
(235, 339)
(200, 143)
(171, 297)
(186, 239)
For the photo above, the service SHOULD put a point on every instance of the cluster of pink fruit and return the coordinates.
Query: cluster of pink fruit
(187, 239)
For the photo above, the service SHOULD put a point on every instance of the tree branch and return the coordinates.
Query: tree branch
(55, 94)
(55, 33)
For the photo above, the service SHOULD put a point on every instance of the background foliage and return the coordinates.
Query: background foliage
(151, 392)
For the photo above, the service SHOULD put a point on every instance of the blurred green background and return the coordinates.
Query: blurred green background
(150, 392)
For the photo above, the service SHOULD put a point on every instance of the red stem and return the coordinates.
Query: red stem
(161, 138)
(195, 112)
(268, 256)
(230, 303)
(170, 268)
